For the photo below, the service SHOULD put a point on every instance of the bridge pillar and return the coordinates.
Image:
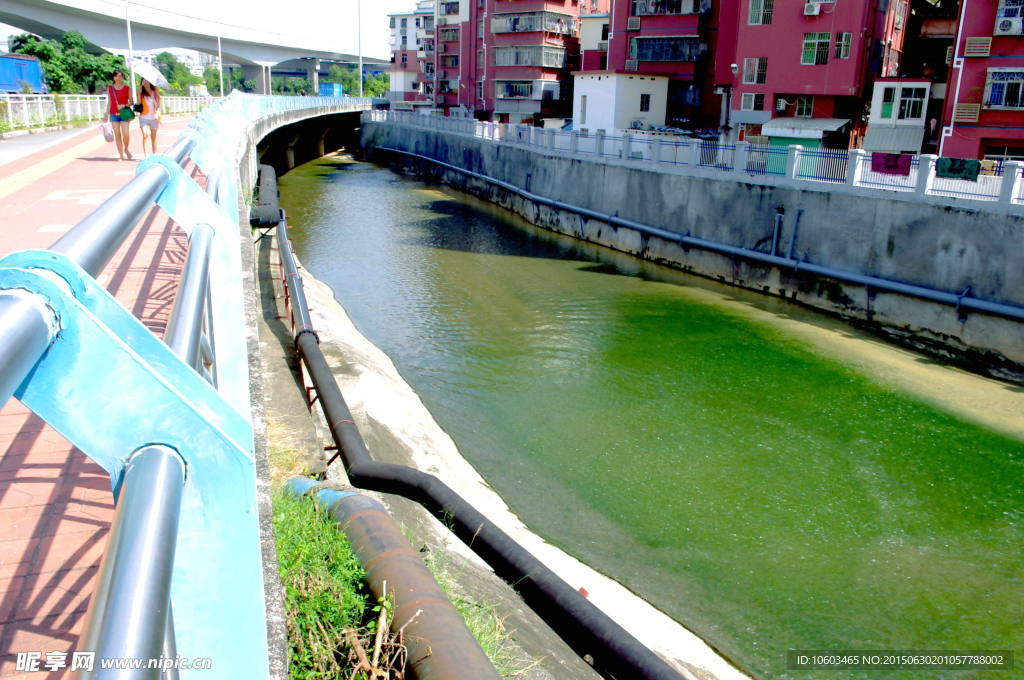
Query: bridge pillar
(290, 152)
(259, 74)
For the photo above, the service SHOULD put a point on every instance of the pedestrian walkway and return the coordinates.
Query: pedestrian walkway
(55, 504)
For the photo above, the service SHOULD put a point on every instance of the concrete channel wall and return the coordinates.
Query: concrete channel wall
(944, 247)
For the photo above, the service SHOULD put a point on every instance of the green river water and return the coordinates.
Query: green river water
(766, 495)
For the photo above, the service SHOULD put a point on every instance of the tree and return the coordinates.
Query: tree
(212, 78)
(373, 86)
(177, 74)
(68, 68)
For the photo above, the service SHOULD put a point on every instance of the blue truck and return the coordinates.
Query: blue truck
(17, 70)
(331, 90)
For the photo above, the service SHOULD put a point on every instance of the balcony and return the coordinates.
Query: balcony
(511, 89)
(449, 8)
(529, 22)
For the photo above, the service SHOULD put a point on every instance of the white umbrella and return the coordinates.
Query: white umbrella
(150, 73)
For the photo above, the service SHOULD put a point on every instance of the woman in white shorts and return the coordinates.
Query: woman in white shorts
(149, 97)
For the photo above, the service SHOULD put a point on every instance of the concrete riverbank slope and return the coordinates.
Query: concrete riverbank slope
(963, 251)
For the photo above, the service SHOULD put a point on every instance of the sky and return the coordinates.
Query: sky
(324, 23)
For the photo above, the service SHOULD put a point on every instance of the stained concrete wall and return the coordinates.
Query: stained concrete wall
(940, 247)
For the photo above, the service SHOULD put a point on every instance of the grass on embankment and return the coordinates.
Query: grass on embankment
(325, 594)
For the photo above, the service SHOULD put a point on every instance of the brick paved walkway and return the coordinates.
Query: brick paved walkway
(55, 504)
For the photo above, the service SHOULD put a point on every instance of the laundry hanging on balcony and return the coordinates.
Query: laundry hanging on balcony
(958, 168)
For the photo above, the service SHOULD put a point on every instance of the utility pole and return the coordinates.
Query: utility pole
(220, 67)
(359, 42)
(131, 66)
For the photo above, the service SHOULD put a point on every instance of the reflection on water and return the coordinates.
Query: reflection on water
(766, 496)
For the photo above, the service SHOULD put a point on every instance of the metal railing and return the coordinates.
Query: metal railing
(165, 420)
(35, 110)
(821, 169)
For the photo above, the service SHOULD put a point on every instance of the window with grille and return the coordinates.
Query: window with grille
(1010, 9)
(449, 35)
(405, 22)
(450, 8)
(752, 102)
(392, 22)
(664, 49)
(479, 29)
(760, 12)
(479, 58)
(645, 103)
(816, 48)
(901, 14)
(450, 61)
(1003, 89)
(417, 22)
(513, 89)
(912, 102)
(428, 23)
(755, 71)
(533, 55)
(405, 60)
(479, 90)
(843, 41)
(804, 106)
(644, 7)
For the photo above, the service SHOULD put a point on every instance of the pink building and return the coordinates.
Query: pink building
(412, 49)
(803, 71)
(984, 112)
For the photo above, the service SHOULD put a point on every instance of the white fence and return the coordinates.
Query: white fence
(33, 110)
(823, 169)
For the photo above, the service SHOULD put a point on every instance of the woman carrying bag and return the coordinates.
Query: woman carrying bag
(119, 112)
(150, 114)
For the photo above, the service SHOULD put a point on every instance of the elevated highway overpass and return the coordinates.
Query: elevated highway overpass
(102, 22)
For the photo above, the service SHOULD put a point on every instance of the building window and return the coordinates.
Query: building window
(405, 22)
(392, 22)
(602, 64)
(583, 109)
(532, 55)
(1007, 9)
(843, 41)
(755, 71)
(479, 4)
(417, 22)
(804, 106)
(449, 35)
(664, 49)
(816, 48)
(549, 22)
(450, 61)
(449, 8)
(405, 41)
(752, 102)
(428, 23)
(512, 89)
(892, 63)
(479, 58)
(911, 103)
(405, 60)
(901, 15)
(479, 29)
(760, 13)
(604, 30)
(888, 97)
(645, 103)
(1003, 89)
(645, 7)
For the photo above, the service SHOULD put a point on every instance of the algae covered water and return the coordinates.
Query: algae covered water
(761, 490)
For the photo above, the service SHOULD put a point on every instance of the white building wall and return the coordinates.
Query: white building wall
(590, 30)
(613, 101)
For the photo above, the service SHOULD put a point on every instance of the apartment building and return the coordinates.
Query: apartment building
(983, 116)
(657, 69)
(803, 71)
(412, 57)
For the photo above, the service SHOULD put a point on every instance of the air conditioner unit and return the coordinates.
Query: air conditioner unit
(443, 48)
(631, 65)
(633, 24)
(441, 21)
(780, 104)
(812, 9)
(1009, 26)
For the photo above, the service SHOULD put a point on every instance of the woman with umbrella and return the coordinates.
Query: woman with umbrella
(150, 114)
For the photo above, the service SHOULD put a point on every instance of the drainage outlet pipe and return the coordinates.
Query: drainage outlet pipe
(440, 645)
(612, 651)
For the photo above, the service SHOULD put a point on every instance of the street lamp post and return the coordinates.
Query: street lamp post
(131, 66)
(359, 42)
(220, 67)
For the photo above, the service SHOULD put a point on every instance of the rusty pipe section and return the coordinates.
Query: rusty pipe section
(440, 645)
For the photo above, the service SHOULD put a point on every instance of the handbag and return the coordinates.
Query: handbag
(137, 108)
(126, 114)
(107, 131)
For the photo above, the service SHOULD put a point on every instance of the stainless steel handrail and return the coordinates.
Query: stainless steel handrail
(93, 241)
(128, 615)
(25, 333)
(185, 325)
